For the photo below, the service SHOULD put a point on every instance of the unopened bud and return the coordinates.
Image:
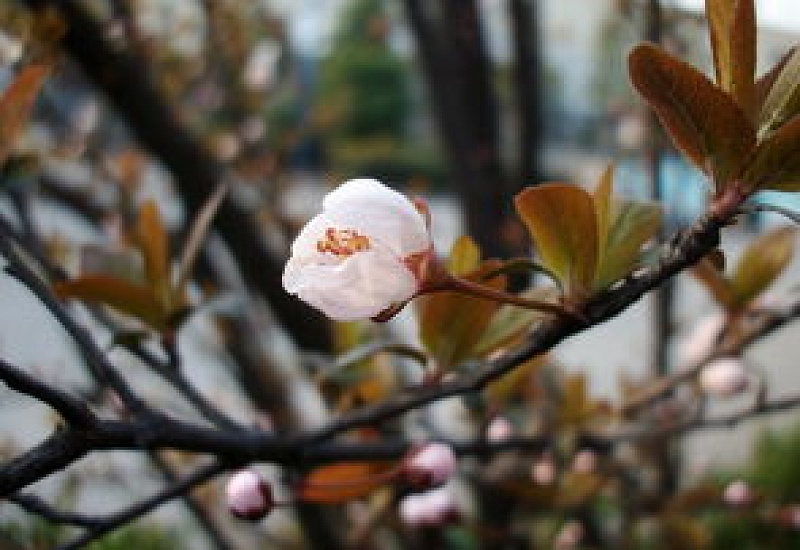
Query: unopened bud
(500, 429)
(543, 471)
(724, 377)
(249, 495)
(429, 465)
(585, 461)
(429, 509)
(738, 493)
(789, 516)
(569, 536)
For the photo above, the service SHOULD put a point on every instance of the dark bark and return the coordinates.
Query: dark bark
(528, 87)
(457, 70)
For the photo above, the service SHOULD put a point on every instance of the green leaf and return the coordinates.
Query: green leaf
(704, 122)
(510, 323)
(603, 203)
(763, 261)
(465, 256)
(708, 273)
(783, 101)
(776, 160)
(765, 83)
(561, 221)
(632, 225)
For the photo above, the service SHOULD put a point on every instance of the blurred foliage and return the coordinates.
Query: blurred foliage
(773, 473)
(364, 103)
(38, 534)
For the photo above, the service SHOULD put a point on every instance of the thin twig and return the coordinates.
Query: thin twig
(72, 409)
(201, 514)
(768, 323)
(35, 505)
(95, 358)
(146, 506)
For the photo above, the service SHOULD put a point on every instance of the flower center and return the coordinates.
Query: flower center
(342, 242)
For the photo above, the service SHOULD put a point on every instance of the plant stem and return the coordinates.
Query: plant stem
(471, 288)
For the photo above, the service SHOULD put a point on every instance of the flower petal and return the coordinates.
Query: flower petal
(358, 287)
(373, 209)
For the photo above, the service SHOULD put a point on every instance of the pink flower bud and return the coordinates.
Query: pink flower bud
(429, 465)
(500, 429)
(789, 516)
(569, 536)
(429, 509)
(585, 461)
(543, 471)
(738, 493)
(249, 496)
(724, 377)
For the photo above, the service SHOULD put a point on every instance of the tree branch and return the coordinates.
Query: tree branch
(686, 248)
(768, 323)
(73, 410)
(94, 357)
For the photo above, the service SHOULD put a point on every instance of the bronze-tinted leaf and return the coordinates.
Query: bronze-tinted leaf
(776, 160)
(733, 42)
(562, 223)
(703, 121)
(763, 261)
(136, 300)
(17, 103)
(342, 482)
(451, 324)
(743, 50)
(151, 239)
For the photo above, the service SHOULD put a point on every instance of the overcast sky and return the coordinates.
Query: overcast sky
(775, 13)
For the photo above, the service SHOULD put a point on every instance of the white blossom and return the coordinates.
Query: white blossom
(359, 256)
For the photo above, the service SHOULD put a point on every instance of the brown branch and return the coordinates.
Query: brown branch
(686, 248)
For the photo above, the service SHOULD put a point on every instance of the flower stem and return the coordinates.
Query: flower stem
(471, 288)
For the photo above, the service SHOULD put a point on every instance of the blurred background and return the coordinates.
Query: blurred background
(462, 102)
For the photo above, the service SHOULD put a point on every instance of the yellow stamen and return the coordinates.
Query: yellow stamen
(342, 242)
